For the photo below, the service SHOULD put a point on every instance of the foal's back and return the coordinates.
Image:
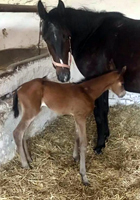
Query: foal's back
(62, 98)
(66, 98)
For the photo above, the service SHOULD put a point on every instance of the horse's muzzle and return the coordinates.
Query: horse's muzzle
(63, 75)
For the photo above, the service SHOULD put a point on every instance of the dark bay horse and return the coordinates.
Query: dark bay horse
(93, 38)
(72, 99)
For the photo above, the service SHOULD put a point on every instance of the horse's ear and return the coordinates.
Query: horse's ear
(42, 11)
(112, 65)
(123, 70)
(61, 6)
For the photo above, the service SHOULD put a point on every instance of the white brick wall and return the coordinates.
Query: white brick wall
(128, 99)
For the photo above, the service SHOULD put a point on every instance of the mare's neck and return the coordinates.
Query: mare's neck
(95, 87)
(81, 24)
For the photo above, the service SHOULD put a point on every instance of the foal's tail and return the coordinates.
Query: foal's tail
(15, 105)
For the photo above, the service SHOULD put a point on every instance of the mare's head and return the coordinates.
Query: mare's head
(118, 86)
(57, 37)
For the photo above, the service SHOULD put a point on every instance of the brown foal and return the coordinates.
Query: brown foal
(66, 99)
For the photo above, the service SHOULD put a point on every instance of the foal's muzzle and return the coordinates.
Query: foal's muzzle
(122, 94)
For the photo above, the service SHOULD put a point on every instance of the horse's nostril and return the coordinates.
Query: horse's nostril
(66, 78)
(63, 77)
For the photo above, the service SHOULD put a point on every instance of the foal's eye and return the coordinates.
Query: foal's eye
(122, 84)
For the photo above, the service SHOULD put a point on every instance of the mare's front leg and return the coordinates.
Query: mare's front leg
(101, 118)
(81, 135)
(106, 111)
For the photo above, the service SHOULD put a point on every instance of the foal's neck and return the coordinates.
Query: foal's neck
(95, 87)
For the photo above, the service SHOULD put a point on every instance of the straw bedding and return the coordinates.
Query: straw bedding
(114, 175)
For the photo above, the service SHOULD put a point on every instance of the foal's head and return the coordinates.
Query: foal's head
(57, 37)
(118, 86)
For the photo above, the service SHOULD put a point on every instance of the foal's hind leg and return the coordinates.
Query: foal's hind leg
(18, 136)
(29, 159)
(100, 113)
(81, 127)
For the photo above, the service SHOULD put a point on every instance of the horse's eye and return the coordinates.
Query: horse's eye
(64, 36)
(122, 84)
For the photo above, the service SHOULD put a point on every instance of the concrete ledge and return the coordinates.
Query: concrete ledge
(21, 72)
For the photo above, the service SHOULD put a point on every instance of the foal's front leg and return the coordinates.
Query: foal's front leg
(76, 144)
(29, 159)
(81, 134)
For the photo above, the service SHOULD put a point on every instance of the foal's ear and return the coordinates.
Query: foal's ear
(112, 65)
(61, 6)
(42, 11)
(123, 70)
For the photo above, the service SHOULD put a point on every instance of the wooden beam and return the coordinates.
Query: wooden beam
(17, 8)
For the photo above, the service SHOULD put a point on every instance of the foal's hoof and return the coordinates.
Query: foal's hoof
(26, 166)
(85, 180)
(76, 159)
(86, 183)
(30, 160)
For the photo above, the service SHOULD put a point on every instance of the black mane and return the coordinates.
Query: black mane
(84, 23)
(72, 18)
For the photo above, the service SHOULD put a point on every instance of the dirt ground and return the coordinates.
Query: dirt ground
(114, 175)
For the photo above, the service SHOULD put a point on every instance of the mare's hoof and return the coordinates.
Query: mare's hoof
(98, 150)
(106, 139)
(107, 136)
